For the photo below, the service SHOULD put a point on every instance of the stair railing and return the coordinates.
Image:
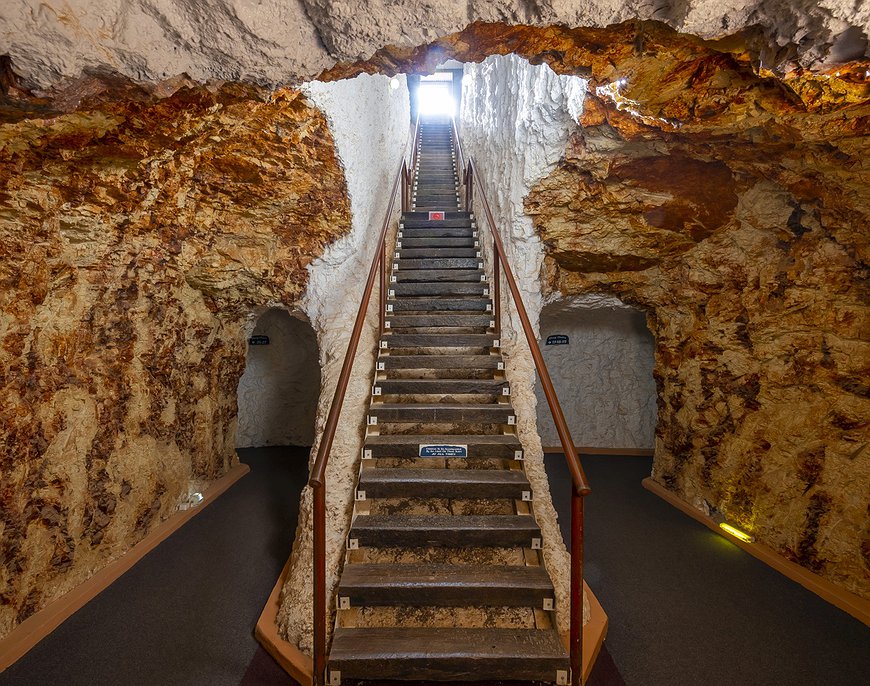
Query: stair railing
(471, 179)
(317, 478)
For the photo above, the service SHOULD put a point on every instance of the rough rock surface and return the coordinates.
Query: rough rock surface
(277, 396)
(370, 122)
(280, 41)
(509, 105)
(603, 376)
(135, 238)
(733, 210)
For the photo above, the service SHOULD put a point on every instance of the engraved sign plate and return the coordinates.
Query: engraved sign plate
(443, 450)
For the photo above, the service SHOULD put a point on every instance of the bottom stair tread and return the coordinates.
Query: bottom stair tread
(447, 654)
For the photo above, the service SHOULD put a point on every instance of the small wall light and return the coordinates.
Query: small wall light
(737, 533)
(394, 83)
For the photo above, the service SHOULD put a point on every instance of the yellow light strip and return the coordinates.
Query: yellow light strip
(737, 533)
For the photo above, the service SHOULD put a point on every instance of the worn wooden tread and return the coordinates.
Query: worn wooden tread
(499, 387)
(439, 263)
(420, 585)
(505, 446)
(439, 340)
(439, 304)
(443, 483)
(441, 361)
(405, 413)
(445, 531)
(478, 287)
(448, 654)
(413, 321)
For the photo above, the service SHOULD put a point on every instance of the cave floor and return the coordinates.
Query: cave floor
(685, 606)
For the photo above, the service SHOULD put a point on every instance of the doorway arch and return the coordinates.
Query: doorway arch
(278, 392)
(600, 357)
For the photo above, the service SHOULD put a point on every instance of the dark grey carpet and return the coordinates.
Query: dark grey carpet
(687, 608)
(186, 613)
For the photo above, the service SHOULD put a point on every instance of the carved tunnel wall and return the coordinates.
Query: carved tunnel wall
(278, 392)
(603, 375)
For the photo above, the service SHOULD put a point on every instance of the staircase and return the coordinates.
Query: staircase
(443, 578)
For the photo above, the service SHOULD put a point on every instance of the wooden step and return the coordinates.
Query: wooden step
(427, 275)
(440, 233)
(438, 340)
(439, 263)
(418, 227)
(445, 531)
(414, 216)
(436, 253)
(408, 321)
(504, 446)
(438, 242)
(410, 653)
(426, 585)
(412, 413)
(444, 483)
(435, 304)
(497, 387)
(421, 288)
(387, 362)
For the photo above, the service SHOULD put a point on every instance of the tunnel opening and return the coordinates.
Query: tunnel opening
(600, 356)
(278, 392)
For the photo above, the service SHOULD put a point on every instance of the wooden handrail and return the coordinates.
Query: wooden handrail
(471, 179)
(317, 477)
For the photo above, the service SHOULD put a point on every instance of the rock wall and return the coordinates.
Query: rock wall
(370, 120)
(508, 106)
(277, 396)
(136, 237)
(276, 41)
(603, 377)
(733, 209)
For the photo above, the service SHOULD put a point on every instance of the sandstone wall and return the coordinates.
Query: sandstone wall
(739, 225)
(604, 376)
(511, 107)
(136, 238)
(370, 120)
(277, 396)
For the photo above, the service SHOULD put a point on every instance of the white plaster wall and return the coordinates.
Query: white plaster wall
(370, 121)
(603, 377)
(278, 392)
(515, 121)
(279, 41)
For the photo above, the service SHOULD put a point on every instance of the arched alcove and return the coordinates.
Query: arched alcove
(600, 356)
(278, 392)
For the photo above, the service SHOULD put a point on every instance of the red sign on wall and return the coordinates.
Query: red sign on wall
(436, 215)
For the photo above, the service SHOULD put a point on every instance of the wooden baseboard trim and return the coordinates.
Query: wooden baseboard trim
(36, 627)
(301, 667)
(849, 602)
(591, 450)
(292, 660)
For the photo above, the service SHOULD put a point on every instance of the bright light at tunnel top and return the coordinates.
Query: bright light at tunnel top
(435, 98)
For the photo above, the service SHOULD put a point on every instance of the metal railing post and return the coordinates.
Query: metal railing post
(496, 289)
(575, 640)
(319, 552)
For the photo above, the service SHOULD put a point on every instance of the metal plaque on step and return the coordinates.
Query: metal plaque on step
(443, 450)
(439, 216)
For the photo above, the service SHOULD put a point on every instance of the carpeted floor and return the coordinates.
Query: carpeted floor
(686, 607)
(186, 613)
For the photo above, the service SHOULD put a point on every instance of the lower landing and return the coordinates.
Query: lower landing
(300, 666)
